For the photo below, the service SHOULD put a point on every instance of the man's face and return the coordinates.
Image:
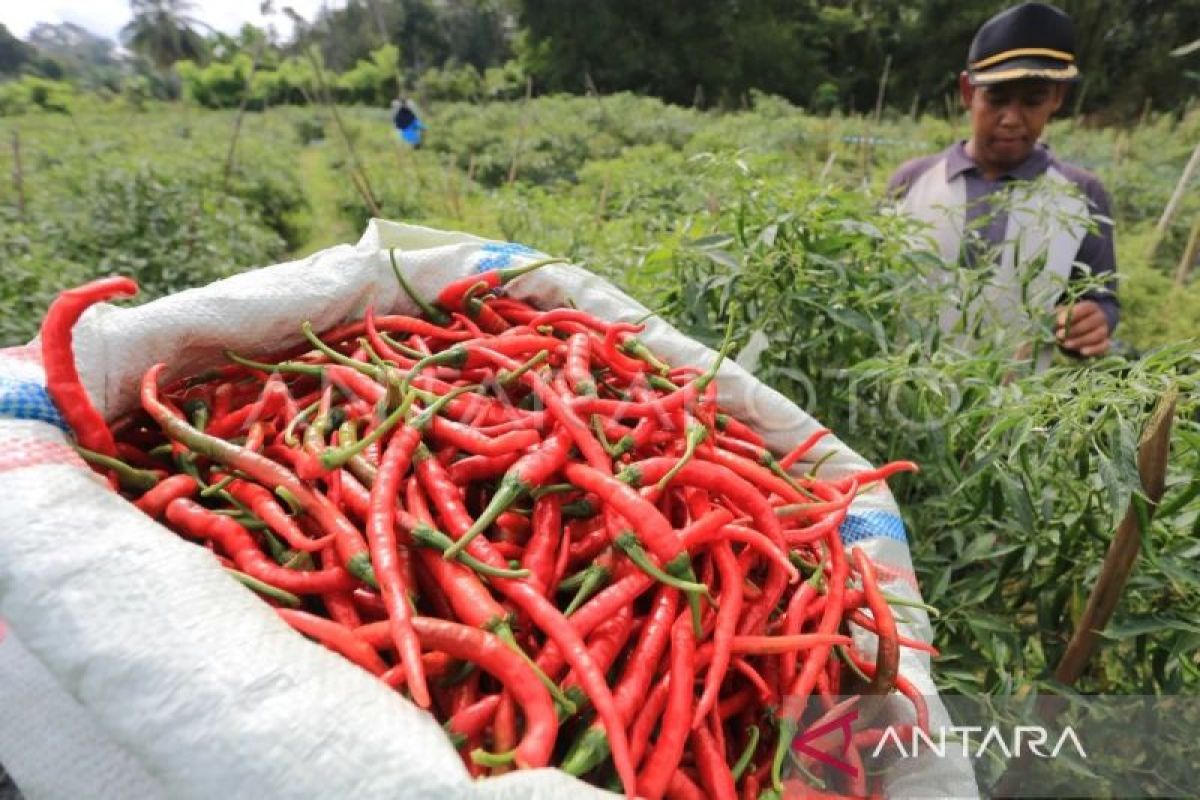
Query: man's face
(1007, 118)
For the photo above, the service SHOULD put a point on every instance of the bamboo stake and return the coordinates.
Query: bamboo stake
(237, 122)
(1190, 254)
(602, 202)
(361, 181)
(453, 202)
(512, 168)
(1173, 204)
(18, 175)
(1153, 451)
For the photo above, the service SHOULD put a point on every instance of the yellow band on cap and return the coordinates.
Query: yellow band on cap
(1061, 55)
(1066, 73)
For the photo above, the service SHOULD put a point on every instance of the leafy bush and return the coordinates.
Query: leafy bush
(95, 207)
(32, 93)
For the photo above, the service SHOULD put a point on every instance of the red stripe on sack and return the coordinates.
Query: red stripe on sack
(31, 353)
(890, 574)
(21, 453)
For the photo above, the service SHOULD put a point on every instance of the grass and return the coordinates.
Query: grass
(326, 226)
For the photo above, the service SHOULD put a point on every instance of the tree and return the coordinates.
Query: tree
(163, 31)
(14, 53)
(429, 33)
(84, 56)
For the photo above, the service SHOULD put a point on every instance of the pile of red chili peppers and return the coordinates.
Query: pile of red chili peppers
(529, 525)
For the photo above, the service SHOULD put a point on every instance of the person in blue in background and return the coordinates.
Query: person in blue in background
(408, 124)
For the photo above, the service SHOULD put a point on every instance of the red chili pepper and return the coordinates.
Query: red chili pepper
(472, 721)
(529, 472)
(715, 776)
(58, 360)
(576, 368)
(530, 602)
(654, 531)
(155, 501)
(472, 602)
(339, 605)
(515, 311)
(747, 670)
(801, 687)
(494, 657)
(655, 773)
(739, 430)
(474, 469)
(350, 543)
(543, 543)
(381, 538)
(793, 620)
(562, 412)
(451, 296)
(887, 657)
(881, 474)
(262, 503)
(802, 449)
(392, 323)
(647, 716)
(767, 482)
(624, 366)
(587, 546)
(480, 311)
(727, 618)
(336, 637)
(200, 523)
(717, 480)
(504, 731)
(758, 542)
(472, 441)
(591, 748)
(605, 643)
(274, 397)
(513, 529)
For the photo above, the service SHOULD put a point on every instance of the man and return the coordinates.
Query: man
(1056, 230)
(408, 124)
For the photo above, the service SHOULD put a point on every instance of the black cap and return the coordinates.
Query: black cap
(1032, 40)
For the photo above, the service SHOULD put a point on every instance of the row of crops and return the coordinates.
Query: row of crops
(766, 216)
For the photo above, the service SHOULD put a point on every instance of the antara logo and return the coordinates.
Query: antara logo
(818, 741)
(1030, 739)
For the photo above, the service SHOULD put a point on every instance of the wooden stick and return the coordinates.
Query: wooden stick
(512, 168)
(18, 176)
(237, 122)
(359, 175)
(1153, 451)
(1173, 204)
(602, 202)
(887, 68)
(1190, 253)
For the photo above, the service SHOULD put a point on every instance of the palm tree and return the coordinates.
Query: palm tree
(163, 31)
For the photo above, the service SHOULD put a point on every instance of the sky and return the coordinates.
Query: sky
(107, 17)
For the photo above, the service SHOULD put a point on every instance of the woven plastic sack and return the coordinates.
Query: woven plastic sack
(134, 667)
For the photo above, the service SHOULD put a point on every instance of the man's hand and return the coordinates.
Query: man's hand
(1082, 328)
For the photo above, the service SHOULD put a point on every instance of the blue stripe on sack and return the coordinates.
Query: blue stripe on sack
(872, 525)
(28, 400)
(500, 254)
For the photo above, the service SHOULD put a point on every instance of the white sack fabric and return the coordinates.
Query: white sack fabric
(135, 667)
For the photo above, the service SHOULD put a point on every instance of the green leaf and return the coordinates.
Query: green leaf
(1127, 629)
(716, 240)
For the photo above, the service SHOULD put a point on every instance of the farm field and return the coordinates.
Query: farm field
(767, 216)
